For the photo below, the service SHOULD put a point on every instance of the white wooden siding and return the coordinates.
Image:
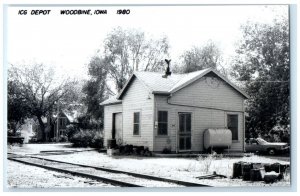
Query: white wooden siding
(108, 120)
(196, 98)
(138, 99)
(201, 97)
(201, 93)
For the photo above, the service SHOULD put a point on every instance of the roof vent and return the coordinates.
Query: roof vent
(168, 72)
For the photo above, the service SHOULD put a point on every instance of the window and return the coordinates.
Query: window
(61, 132)
(136, 123)
(62, 122)
(232, 124)
(162, 123)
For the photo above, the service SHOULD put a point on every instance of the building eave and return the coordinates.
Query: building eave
(115, 103)
(161, 93)
(126, 86)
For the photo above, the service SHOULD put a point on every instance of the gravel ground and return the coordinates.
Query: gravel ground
(185, 169)
(38, 148)
(25, 176)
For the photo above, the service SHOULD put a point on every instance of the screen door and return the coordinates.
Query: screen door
(184, 132)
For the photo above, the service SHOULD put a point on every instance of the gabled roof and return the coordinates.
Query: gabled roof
(156, 84)
(193, 76)
(71, 115)
(111, 100)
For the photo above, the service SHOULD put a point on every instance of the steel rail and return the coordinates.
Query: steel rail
(144, 176)
(80, 174)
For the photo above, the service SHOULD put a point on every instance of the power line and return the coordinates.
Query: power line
(270, 81)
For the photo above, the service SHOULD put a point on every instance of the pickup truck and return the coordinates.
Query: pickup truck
(261, 146)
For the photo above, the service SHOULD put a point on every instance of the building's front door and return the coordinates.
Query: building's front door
(117, 127)
(184, 132)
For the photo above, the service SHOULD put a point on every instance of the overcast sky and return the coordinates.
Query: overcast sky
(68, 42)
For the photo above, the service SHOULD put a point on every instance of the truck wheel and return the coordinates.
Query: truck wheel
(271, 151)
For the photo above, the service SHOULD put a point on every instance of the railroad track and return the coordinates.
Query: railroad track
(110, 176)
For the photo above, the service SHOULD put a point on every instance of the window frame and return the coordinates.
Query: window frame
(61, 132)
(63, 122)
(190, 132)
(161, 122)
(60, 122)
(138, 123)
(237, 127)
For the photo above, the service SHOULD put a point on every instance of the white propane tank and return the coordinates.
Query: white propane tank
(217, 138)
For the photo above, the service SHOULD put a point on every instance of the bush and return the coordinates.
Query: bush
(63, 139)
(97, 141)
(134, 150)
(71, 130)
(166, 150)
(206, 162)
(85, 138)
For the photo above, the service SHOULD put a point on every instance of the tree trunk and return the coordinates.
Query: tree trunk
(42, 127)
(14, 133)
(14, 129)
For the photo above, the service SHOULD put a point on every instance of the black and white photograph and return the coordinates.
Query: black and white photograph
(156, 96)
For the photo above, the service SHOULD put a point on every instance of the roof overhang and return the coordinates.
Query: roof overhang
(115, 103)
(210, 70)
(232, 85)
(127, 84)
(161, 93)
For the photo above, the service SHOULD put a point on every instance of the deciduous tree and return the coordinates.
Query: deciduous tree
(18, 110)
(38, 90)
(198, 58)
(96, 89)
(128, 50)
(262, 65)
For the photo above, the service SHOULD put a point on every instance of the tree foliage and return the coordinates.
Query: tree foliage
(129, 50)
(198, 58)
(96, 89)
(262, 64)
(18, 110)
(38, 91)
(124, 51)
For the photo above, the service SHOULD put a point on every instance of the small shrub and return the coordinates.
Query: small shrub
(166, 150)
(128, 149)
(138, 150)
(63, 139)
(134, 150)
(71, 130)
(147, 152)
(206, 162)
(85, 138)
(97, 141)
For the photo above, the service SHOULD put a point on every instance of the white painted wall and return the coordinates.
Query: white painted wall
(138, 99)
(201, 95)
(108, 120)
